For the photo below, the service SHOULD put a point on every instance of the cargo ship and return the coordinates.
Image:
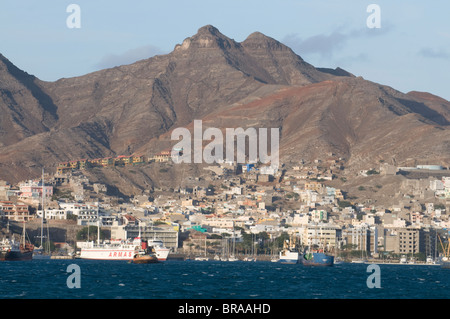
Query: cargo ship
(317, 258)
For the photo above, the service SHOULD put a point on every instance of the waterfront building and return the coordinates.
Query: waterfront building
(321, 235)
(407, 240)
(166, 234)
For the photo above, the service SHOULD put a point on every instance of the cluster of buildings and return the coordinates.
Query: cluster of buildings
(121, 160)
(231, 199)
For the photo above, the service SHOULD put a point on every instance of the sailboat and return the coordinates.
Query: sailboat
(362, 259)
(253, 257)
(22, 250)
(202, 258)
(232, 256)
(41, 253)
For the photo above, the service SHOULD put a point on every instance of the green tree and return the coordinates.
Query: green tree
(92, 230)
(344, 203)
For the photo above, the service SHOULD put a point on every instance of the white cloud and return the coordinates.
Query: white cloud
(327, 44)
(434, 54)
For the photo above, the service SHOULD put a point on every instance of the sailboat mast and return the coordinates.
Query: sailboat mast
(23, 235)
(98, 231)
(43, 211)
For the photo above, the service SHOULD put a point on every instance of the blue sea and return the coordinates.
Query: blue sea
(57, 279)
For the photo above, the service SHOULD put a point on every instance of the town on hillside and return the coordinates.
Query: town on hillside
(249, 210)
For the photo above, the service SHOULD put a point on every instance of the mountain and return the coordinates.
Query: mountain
(258, 82)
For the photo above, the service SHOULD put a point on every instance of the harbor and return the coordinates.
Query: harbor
(212, 279)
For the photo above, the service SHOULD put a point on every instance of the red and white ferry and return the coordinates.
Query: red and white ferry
(122, 250)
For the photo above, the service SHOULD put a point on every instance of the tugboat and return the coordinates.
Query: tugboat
(146, 255)
(144, 259)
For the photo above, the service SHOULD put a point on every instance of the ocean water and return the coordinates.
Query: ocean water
(51, 279)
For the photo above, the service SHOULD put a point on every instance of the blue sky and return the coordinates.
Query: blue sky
(411, 50)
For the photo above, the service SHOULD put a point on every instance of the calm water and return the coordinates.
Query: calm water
(39, 279)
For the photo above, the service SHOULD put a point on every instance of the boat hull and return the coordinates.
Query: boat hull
(18, 255)
(288, 261)
(317, 259)
(41, 257)
(289, 257)
(145, 260)
(107, 254)
(162, 253)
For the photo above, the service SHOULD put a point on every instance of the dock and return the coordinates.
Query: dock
(61, 257)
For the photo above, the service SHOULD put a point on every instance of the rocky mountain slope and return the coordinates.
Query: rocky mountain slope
(255, 83)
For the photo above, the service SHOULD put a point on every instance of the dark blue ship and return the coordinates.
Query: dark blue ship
(317, 258)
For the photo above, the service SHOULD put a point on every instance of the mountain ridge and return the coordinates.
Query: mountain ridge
(258, 82)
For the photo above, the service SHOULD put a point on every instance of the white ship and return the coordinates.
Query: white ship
(122, 250)
(289, 254)
(161, 251)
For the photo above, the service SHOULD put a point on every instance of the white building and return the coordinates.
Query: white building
(87, 214)
(53, 214)
(321, 235)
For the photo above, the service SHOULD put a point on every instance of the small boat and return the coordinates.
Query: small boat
(200, 258)
(40, 253)
(144, 259)
(445, 263)
(359, 261)
(289, 254)
(5, 247)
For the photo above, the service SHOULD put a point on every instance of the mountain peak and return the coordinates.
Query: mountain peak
(207, 36)
(209, 29)
(258, 40)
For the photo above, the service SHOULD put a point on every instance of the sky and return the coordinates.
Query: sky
(407, 46)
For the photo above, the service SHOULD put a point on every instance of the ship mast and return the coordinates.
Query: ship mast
(23, 235)
(98, 231)
(43, 211)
